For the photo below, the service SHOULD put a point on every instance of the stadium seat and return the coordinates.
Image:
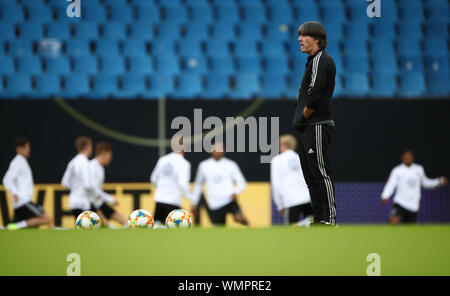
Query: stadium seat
(356, 64)
(385, 63)
(276, 65)
(277, 32)
(411, 63)
(356, 84)
(94, 13)
(17, 85)
(298, 65)
(221, 65)
(195, 64)
(254, 14)
(141, 31)
(217, 48)
(279, 15)
(6, 66)
(121, 13)
(38, 14)
(189, 86)
(223, 32)
(356, 48)
(46, 85)
(140, 65)
(273, 86)
(216, 86)
(437, 65)
(408, 48)
(436, 47)
(12, 14)
(246, 86)
(272, 48)
(201, 14)
(104, 86)
(412, 11)
(196, 31)
(338, 87)
(437, 14)
(293, 85)
(410, 31)
(74, 86)
(114, 30)
(169, 31)
(433, 28)
(304, 14)
(30, 31)
(160, 85)
(135, 48)
(357, 31)
(58, 30)
(75, 47)
(59, 66)
(85, 65)
(131, 86)
(197, 3)
(149, 13)
(412, 84)
(85, 30)
(111, 65)
(228, 15)
(167, 64)
(107, 47)
(245, 48)
(384, 85)
(278, 3)
(379, 47)
(335, 14)
(249, 31)
(175, 15)
(7, 31)
(29, 65)
(19, 48)
(384, 30)
(172, 3)
(165, 47)
(190, 48)
(437, 84)
(248, 65)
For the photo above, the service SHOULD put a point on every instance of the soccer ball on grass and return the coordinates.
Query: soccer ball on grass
(179, 219)
(140, 219)
(88, 220)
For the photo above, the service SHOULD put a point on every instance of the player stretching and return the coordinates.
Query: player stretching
(220, 175)
(313, 119)
(77, 178)
(290, 196)
(171, 177)
(406, 180)
(103, 157)
(18, 180)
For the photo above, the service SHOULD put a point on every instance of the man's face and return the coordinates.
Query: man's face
(89, 150)
(25, 150)
(408, 158)
(106, 158)
(218, 151)
(282, 147)
(307, 43)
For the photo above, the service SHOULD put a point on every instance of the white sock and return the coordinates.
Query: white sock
(21, 224)
(305, 222)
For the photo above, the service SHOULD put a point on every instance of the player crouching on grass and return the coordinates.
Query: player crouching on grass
(18, 180)
(406, 180)
(289, 190)
(220, 175)
(103, 157)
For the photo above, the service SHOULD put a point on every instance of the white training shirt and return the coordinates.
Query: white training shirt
(407, 182)
(289, 187)
(222, 177)
(77, 178)
(171, 177)
(18, 180)
(98, 178)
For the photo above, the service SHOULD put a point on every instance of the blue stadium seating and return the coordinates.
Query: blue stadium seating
(140, 65)
(412, 84)
(233, 48)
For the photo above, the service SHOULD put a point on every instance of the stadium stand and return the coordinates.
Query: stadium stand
(403, 54)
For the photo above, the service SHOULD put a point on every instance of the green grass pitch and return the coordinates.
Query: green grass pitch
(404, 250)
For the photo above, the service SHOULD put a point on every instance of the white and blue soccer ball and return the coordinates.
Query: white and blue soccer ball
(88, 220)
(179, 219)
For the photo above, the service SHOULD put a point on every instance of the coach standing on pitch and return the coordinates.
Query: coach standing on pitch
(313, 119)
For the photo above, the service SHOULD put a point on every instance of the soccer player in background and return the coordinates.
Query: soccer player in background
(224, 181)
(77, 178)
(406, 180)
(171, 177)
(18, 180)
(289, 190)
(313, 119)
(103, 157)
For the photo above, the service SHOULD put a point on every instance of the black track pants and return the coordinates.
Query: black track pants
(313, 149)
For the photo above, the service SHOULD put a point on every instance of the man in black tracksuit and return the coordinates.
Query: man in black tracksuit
(313, 119)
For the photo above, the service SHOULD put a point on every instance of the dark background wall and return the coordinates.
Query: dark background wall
(369, 134)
